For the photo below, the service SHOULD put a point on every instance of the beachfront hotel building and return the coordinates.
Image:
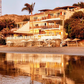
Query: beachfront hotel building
(46, 25)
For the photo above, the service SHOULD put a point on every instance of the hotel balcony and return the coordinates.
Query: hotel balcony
(44, 18)
(51, 37)
(46, 27)
(20, 37)
(51, 27)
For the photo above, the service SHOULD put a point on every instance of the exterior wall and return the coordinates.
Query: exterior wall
(20, 24)
(68, 14)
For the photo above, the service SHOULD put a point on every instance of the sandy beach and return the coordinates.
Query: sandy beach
(48, 50)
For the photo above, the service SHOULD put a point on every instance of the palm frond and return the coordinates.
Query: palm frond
(24, 9)
(33, 4)
(27, 5)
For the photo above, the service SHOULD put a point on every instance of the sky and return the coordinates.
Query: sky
(15, 6)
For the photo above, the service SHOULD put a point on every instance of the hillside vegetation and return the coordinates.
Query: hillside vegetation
(16, 18)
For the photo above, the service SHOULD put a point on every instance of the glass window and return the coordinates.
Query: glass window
(57, 33)
(64, 13)
(36, 24)
(35, 18)
(53, 33)
(51, 14)
(58, 14)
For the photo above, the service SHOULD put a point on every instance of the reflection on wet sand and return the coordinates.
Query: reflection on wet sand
(43, 68)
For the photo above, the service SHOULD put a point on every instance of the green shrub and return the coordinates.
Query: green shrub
(2, 41)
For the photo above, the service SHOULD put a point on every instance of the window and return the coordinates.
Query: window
(35, 18)
(64, 13)
(57, 33)
(53, 33)
(51, 14)
(36, 24)
(58, 14)
(45, 24)
(39, 31)
(50, 33)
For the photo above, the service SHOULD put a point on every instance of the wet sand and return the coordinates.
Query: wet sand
(48, 50)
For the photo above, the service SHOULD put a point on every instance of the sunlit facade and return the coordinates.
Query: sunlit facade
(46, 25)
(49, 24)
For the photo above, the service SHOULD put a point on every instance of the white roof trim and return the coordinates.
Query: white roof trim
(50, 19)
(23, 29)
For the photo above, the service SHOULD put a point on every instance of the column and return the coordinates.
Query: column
(54, 23)
(47, 24)
(17, 26)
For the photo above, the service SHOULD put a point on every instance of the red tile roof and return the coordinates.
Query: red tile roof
(43, 10)
(37, 14)
(65, 7)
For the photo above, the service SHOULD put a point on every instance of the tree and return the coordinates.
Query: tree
(28, 7)
(2, 25)
(26, 19)
(80, 4)
(78, 15)
(75, 25)
(7, 23)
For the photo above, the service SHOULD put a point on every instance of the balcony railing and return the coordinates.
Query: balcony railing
(49, 17)
(44, 27)
(21, 37)
(51, 26)
(51, 37)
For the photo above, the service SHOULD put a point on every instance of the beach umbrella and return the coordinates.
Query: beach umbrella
(9, 42)
(23, 41)
(76, 39)
(53, 40)
(67, 40)
(40, 41)
(30, 40)
(49, 41)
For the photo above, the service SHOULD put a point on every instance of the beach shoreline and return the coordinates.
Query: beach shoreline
(44, 50)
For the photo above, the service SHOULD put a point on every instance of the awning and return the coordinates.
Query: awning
(53, 30)
(9, 42)
(52, 19)
(51, 37)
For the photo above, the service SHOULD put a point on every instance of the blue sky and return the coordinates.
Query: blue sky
(15, 6)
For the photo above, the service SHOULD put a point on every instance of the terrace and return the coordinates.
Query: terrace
(46, 27)
(49, 17)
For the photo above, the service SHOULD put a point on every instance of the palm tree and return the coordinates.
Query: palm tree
(28, 7)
